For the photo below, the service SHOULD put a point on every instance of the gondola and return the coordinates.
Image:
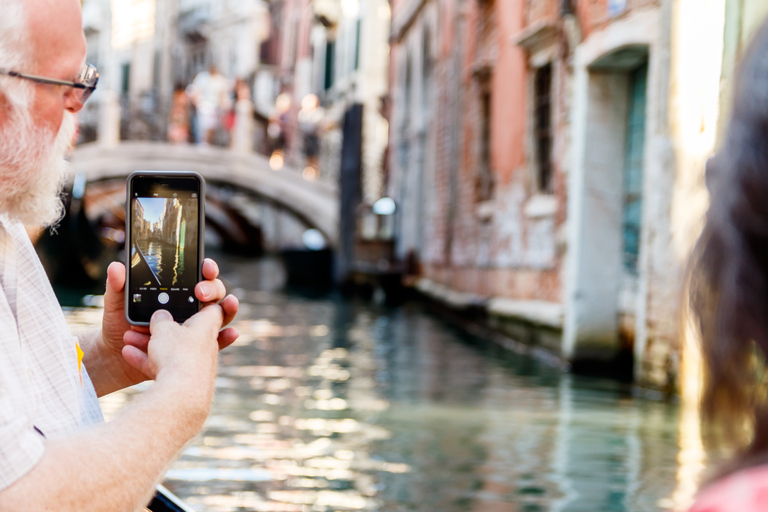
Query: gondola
(166, 501)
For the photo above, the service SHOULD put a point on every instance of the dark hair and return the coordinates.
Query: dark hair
(728, 276)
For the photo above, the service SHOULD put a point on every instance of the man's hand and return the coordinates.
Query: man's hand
(182, 356)
(104, 352)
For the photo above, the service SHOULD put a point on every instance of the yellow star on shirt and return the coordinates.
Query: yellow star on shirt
(80, 355)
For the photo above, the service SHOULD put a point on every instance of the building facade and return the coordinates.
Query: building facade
(534, 170)
(336, 51)
(478, 154)
(547, 158)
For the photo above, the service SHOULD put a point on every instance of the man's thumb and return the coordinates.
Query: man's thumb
(115, 283)
(159, 318)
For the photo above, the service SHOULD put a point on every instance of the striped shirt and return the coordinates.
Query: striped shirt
(42, 390)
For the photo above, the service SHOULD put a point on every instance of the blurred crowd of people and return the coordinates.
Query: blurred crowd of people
(205, 113)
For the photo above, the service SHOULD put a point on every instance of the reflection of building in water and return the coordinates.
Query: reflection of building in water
(173, 232)
(179, 230)
(141, 226)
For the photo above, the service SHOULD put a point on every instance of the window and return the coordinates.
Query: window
(294, 41)
(485, 176)
(330, 53)
(270, 46)
(633, 168)
(156, 71)
(126, 82)
(358, 26)
(408, 84)
(543, 128)
(427, 76)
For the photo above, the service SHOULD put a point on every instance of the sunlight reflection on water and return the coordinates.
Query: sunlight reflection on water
(326, 405)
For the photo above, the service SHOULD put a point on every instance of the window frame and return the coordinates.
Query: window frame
(543, 135)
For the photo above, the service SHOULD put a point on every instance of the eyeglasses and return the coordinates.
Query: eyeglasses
(83, 86)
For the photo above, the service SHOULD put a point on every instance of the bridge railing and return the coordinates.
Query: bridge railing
(147, 118)
(144, 117)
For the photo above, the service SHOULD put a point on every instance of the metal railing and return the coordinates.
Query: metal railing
(143, 117)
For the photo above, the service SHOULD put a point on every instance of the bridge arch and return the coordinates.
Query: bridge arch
(314, 202)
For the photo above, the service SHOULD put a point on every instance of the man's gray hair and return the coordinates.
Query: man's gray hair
(14, 52)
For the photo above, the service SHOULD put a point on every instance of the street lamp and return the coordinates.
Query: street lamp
(384, 206)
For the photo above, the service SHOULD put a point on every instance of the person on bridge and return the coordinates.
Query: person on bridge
(56, 453)
(210, 93)
(729, 296)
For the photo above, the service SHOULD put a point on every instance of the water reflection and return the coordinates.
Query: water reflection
(165, 260)
(324, 405)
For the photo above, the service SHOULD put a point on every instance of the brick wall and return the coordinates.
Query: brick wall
(489, 248)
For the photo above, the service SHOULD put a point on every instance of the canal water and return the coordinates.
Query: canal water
(330, 405)
(166, 261)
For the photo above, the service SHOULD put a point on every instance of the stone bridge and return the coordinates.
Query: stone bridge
(314, 202)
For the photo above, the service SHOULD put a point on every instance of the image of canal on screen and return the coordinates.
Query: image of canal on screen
(164, 253)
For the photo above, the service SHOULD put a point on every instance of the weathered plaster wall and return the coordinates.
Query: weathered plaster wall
(507, 246)
(596, 279)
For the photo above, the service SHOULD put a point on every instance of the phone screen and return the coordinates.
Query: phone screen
(164, 246)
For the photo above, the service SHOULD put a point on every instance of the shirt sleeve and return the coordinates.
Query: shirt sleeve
(744, 491)
(21, 447)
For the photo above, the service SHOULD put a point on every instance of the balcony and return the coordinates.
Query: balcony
(541, 23)
(542, 11)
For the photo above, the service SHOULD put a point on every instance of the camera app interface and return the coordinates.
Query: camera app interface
(164, 248)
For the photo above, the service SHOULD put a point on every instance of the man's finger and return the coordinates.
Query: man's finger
(137, 359)
(210, 269)
(140, 328)
(230, 305)
(227, 337)
(210, 317)
(136, 339)
(210, 291)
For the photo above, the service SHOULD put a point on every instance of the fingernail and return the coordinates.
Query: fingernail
(205, 290)
(162, 314)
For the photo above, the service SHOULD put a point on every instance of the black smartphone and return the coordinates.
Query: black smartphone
(165, 226)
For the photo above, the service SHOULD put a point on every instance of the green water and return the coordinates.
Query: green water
(326, 405)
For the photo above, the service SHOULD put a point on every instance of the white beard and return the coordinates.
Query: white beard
(33, 170)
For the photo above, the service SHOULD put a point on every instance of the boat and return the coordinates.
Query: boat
(166, 501)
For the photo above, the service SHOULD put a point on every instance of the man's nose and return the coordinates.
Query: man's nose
(72, 101)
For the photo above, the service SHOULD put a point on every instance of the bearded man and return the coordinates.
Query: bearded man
(56, 453)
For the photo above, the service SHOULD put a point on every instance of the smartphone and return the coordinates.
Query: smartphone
(165, 226)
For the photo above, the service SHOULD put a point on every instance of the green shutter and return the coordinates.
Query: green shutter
(633, 168)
